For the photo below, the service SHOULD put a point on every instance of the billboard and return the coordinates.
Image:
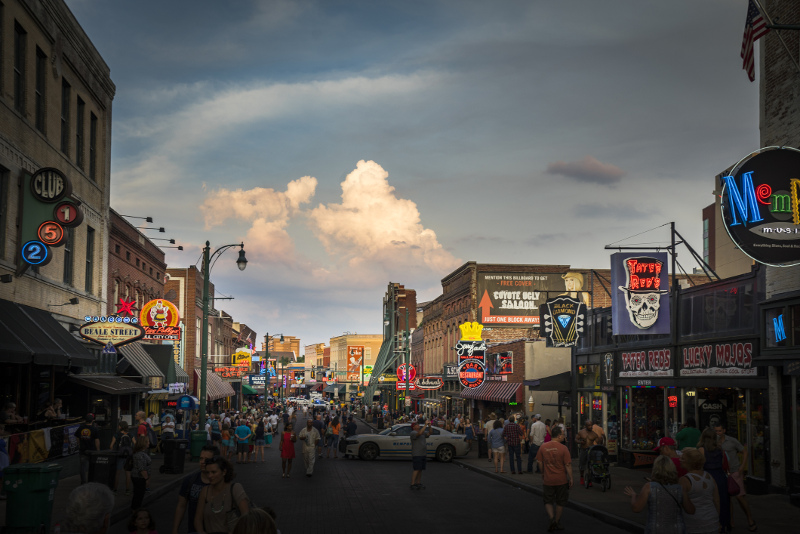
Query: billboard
(563, 319)
(760, 206)
(355, 357)
(638, 281)
(513, 299)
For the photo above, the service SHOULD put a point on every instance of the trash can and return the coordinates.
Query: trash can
(103, 467)
(483, 447)
(31, 489)
(174, 456)
(199, 439)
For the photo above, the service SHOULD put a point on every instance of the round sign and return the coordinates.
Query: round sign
(472, 373)
(68, 214)
(760, 206)
(160, 313)
(50, 185)
(36, 253)
(401, 373)
(51, 233)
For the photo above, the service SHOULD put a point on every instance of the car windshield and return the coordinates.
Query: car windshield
(395, 428)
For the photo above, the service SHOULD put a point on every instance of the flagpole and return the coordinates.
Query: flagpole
(777, 32)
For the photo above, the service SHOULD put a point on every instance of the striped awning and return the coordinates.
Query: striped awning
(332, 388)
(135, 356)
(216, 387)
(503, 392)
(181, 375)
(158, 394)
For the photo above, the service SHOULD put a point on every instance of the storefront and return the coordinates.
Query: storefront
(597, 398)
(501, 398)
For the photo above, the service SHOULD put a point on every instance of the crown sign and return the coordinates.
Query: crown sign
(471, 331)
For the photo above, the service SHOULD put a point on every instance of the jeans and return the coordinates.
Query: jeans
(514, 450)
(534, 450)
(84, 465)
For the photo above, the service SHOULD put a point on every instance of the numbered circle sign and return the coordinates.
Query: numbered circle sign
(51, 233)
(35, 253)
(50, 185)
(68, 214)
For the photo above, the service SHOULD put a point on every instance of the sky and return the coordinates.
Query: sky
(350, 144)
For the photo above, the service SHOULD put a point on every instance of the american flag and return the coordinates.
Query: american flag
(754, 29)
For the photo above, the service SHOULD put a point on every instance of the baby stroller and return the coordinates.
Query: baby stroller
(597, 470)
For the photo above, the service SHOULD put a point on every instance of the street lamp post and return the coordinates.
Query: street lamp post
(267, 339)
(241, 262)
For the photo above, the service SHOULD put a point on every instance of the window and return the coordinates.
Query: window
(69, 243)
(65, 95)
(41, 71)
(20, 41)
(116, 249)
(89, 259)
(3, 210)
(137, 262)
(127, 255)
(81, 110)
(151, 271)
(93, 146)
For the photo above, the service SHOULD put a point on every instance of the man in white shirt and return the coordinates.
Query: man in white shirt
(536, 435)
(273, 419)
(310, 437)
(488, 428)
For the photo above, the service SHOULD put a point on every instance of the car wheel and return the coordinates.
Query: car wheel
(445, 453)
(368, 451)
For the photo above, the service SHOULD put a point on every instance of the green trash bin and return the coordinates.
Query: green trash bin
(199, 439)
(31, 489)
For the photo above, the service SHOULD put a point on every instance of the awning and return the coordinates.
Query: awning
(332, 388)
(136, 357)
(32, 335)
(216, 387)
(115, 385)
(180, 374)
(559, 382)
(317, 387)
(492, 391)
(247, 390)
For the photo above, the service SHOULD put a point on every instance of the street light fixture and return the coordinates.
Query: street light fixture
(207, 257)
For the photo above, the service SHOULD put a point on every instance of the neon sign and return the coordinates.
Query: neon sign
(760, 206)
(780, 332)
(673, 401)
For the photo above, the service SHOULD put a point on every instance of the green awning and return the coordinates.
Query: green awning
(247, 390)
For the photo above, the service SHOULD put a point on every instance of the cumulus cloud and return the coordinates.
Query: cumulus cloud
(588, 170)
(372, 225)
(259, 203)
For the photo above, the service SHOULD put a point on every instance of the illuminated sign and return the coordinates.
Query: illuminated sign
(760, 205)
(401, 386)
(513, 300)
(563, 319)
(472, 374)
(780, 332)
(505, 363)
(105, 332)
(231, 371)
(110, 319)
(645, 363)
(471, 352)
(161, 320)
(242, 358)
(401, 373)
(719, 359)
(641, 280)
(429, 383)
(673, 401)
(355, 357)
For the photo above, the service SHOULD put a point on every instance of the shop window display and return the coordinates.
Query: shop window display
(643, 418)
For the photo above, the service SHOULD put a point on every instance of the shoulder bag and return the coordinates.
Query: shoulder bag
(232, 516)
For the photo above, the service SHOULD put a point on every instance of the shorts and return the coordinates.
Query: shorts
(556, 494)
(121, 462)
(418, 463)
(499, 450)
(739, 480)
(583, 459)
(260, 442)
(243, 447)
(216, 436)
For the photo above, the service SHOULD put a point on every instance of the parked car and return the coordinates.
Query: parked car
(395, 442)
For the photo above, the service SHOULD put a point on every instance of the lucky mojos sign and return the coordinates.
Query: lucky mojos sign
(761, 205)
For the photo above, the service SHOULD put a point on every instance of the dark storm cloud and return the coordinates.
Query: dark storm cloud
(588, 170)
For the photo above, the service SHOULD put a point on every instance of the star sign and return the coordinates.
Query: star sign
(125, 307)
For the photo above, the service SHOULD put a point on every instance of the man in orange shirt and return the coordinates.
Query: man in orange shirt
(556, 464)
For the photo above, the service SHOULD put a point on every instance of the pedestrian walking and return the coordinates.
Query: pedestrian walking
(189, 494)
(219, 498)
(585, 439)
(512, 435)
(122, 443)
(333, 437)
(714, 466)
(242, 435)
(702, 491)
(88, 441)
(556, 464)
(488, 426)
(419, 451)
(286, 445)
(260, 441)
(688, 435)
(732, 447)
(497, 445)
(310, 437)
(469, 431)
(664, 499)
(536, 438)
(140, 474)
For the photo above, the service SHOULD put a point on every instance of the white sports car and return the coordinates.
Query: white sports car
(395, 442)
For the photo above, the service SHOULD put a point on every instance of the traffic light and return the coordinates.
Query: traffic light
(47, 209)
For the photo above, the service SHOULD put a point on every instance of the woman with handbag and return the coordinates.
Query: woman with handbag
(703, 493)
(714, 467)
(222, 502)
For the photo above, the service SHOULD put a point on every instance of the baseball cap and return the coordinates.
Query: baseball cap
(90, 417)
(665, 442)
(537, 416)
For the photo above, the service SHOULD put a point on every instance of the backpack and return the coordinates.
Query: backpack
(125, 445)
(215, 426)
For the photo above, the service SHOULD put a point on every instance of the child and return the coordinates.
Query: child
(142, 522)
(226, 438)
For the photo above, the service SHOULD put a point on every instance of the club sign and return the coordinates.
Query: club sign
(471, 352)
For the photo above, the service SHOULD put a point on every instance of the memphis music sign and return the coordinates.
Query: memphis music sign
(761, 205)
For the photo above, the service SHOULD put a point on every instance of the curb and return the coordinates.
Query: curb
(125, 512)
(610, 519)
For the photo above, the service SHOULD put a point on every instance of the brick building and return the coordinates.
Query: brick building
(55, 112)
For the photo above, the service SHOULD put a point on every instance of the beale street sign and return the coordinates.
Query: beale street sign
(115, 333)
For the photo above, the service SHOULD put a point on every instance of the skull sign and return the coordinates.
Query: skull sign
(643, 292)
